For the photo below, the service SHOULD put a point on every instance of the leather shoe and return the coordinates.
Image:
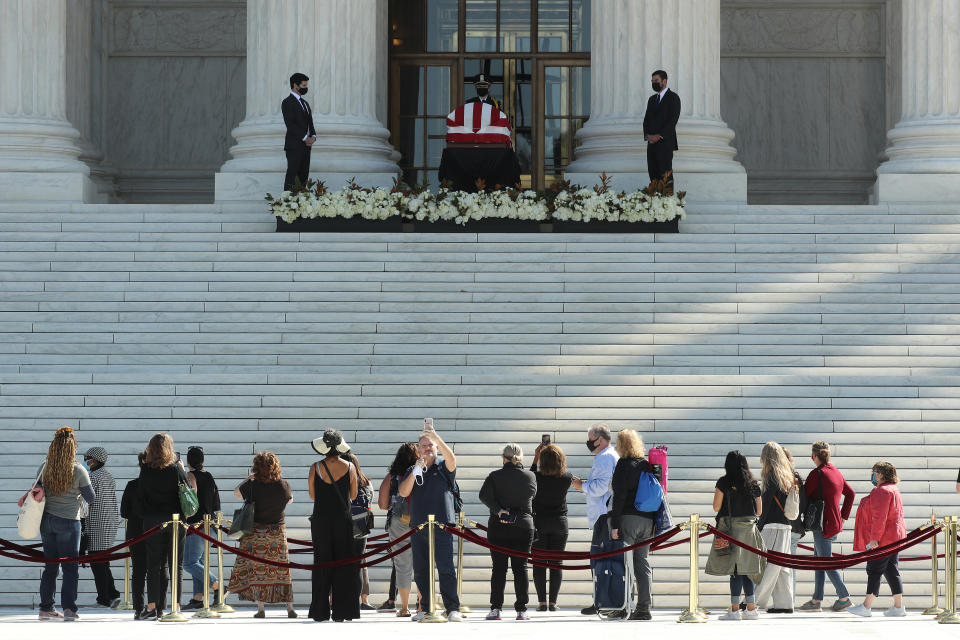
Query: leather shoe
(589, 611)
(640, 614)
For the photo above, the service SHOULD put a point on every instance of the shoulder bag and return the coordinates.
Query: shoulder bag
(722, 545)
(189, 504)
(31, 509)
(360, 521)
(813, 518)
(242, 524)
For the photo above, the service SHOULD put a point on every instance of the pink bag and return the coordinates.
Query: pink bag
(657, 457)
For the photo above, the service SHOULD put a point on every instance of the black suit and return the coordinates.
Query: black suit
(299, 121)
(488, 100)
(661, 119)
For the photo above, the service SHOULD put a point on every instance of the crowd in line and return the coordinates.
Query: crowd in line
(528, 510)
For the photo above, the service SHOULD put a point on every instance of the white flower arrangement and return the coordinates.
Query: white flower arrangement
(565, 202)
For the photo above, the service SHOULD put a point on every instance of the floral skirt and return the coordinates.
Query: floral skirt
(259, 582)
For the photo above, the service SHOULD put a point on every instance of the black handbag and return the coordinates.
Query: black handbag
(813, 516)
(360, 517)
(242, 524)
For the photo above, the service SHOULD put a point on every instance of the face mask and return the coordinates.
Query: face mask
(873, 479)
(591, 445)
(482, 93)
(657, 87)
(85, 465)
(302, 91)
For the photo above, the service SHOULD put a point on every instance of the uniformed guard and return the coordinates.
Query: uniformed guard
(482, 85)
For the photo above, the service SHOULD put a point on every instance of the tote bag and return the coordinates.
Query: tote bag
(31, 510)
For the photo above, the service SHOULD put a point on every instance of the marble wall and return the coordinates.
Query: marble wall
(176, 88)
(805, 88)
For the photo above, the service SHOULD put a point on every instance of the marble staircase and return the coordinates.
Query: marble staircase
(754, 323)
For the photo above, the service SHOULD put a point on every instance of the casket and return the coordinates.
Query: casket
(478, 123)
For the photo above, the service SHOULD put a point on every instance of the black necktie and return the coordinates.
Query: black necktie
(306, 107)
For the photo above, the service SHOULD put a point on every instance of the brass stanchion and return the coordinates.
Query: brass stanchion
(174, 615)
(221, 606)
(206, 611)
(934, 609)
(126, 605)
(433, 616)
(950, 616)
(693, 612)
(461, 520)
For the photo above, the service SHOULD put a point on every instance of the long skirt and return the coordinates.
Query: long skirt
(259, 582)
(777, 581)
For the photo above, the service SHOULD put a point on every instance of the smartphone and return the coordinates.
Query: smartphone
(428, 424)
(508, 518)
(545, 439)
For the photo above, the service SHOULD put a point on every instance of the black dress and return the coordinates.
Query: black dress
(333, 540)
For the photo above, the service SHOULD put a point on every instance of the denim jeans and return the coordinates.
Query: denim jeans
(740, 583)
(61, 539)
(823, 547)
(443, 555)
(193, 563)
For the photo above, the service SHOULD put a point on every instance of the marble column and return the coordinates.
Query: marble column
(340, 45)
(923, 159)
(630, 40)
(39, 154)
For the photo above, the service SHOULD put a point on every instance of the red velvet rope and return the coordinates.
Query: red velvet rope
(825, 564)
(807, 547)
(309, 567)
(309, 543)
(107, 555)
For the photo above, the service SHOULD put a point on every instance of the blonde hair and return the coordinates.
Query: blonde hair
(886, 471)
(775, 467)
(159, 452)
(58, 469)
(821, 450)
(629, 444)
(513, 453)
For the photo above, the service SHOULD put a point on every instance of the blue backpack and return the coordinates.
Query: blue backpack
(649, 493)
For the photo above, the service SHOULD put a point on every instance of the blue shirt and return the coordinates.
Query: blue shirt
(433, 496)
(597, 486)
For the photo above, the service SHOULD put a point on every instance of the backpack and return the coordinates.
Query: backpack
(453, 486)
(657, 457)
(649, 495)
(399, 506)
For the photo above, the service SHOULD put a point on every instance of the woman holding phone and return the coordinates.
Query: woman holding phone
(508, 492)
(550, 516)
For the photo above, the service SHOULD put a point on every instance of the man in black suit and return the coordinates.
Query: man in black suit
(660, 129)
(300, 132)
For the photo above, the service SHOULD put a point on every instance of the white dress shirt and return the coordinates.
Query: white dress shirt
(304, 107)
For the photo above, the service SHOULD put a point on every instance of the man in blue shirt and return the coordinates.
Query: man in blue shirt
(597, 485)
(429, 484)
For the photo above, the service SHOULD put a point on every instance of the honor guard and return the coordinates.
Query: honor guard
(482, 85)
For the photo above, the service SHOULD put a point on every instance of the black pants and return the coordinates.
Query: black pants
(333, 540)
(507, 535)
(888, 568)
(660, 162)
(298, 167)
(392, 595)
(103, 579)
(159, 550)
(138, 574)
(551, 536)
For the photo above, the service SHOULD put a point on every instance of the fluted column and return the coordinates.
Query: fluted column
(39, 155)
(631, 39)
(337, 43)
(924, 154)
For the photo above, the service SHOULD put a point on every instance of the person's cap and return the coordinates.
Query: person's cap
(331, 439)
(481, 81)
(96, 453)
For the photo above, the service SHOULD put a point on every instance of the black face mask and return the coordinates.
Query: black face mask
(657, 87)
(302, 91)
(482, 93)
(592, 445)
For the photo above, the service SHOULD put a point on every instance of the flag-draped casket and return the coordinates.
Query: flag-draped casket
(478, 123)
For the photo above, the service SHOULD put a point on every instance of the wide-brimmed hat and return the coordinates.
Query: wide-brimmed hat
(96, 453)
(330, 440)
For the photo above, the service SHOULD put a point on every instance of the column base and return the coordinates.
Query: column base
(31, 186)
(253, 186)
(917, 187)
(700, 187)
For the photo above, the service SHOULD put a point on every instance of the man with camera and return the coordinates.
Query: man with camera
(431, 486)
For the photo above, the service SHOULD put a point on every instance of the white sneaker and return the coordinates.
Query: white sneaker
(731, 615)
(494, 614)
(750, 614)
(860, 610)
(454, 616)
(417, 617)
(895, 612)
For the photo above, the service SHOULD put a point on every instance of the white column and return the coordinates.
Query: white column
(39, 155)
(630, 40)
(337, 44)
(924, 154)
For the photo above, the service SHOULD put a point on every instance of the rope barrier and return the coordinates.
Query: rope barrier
(107, 555)
(807, 547)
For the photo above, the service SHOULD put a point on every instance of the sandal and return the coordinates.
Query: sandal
(404, 613)
(260, 614)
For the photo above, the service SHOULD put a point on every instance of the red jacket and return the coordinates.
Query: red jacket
(880, 518)
(833, 487)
